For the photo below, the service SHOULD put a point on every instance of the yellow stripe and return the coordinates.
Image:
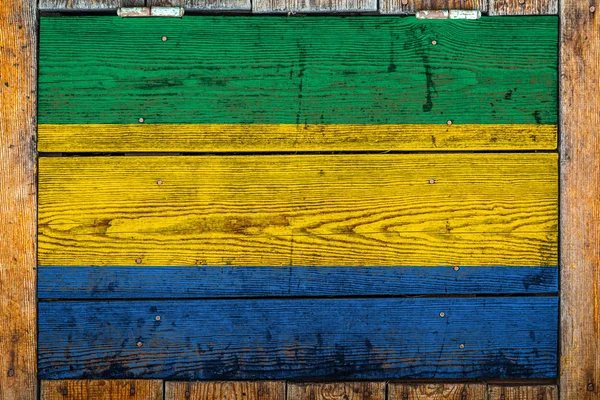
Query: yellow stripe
(237, 137)
(323, 210)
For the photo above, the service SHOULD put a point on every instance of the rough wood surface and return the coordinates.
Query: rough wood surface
(289, 137)
(538, 392)
(336, 391)
(580, 210)
(102, 390)
(300, 210)
(412, 6)
(437, 391)
(523, 7)
(265, 390)
(83, 5)
(311, 6)
(18, 55)
(201, 5)
(368, 338)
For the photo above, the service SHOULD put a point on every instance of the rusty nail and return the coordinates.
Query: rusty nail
(157, 318)
(140, 344)
(138, 260)
(442, 314)
(434, 42)
(592, 9)
(449, 122)
(164, 38)
(461, 346)
(141, 120)
(431, 181)
(590, 387)
(456, 268)
(159, 182)
(11, 372)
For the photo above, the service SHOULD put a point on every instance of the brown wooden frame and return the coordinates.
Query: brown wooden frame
(580, 202)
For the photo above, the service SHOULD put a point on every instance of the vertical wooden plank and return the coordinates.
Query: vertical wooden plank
(18, 44)
(200, 5)
(523, 7)
(412, 6)
(437, 391)
(540, 392)
(102, 390)
(309, 6)
(95, 5)
(579, 201)
(336, 391)
(265, 390)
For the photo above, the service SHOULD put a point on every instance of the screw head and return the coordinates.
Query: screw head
(442, 314)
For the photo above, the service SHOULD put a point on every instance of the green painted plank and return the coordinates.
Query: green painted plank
(302, 70)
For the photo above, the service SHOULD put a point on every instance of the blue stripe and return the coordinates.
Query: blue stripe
(215, 282)
(383, 338)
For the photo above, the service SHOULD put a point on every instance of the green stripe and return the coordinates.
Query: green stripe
(298, 70)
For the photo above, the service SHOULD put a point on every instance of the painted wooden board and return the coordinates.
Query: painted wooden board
(507, 337)
(523, 7)
(336, 391)
(296, 77)
(102, 390)
(412, 6)
(203, 5)
(437, 391)
(312, 6)
(246, 390)
(580, 191)
(207, 281)
(299, 210)
(539, 392)
(18, 70)
(92, 5)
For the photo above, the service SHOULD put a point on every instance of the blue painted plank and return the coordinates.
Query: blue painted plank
(215, 282)
(383, 338)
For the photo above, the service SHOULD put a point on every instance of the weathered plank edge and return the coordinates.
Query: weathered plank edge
(18, 71)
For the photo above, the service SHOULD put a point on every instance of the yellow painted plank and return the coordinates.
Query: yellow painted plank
(323, 210)
(243, 390)
(102, 390)
(290, 137)
(536, 392)
(437, 391)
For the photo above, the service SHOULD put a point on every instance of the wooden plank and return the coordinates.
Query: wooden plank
(580, 191)
(102, 390)
(412, 6)
(523, 7)
(299, 210)
(336, 391)
(312, 6)
(437, 391)
(208, 281)
(202, 5)
(287, 137)
(381, 338)
(298, 71)
(18, 62)
(85, 5)
(266, 390)
(541, 392)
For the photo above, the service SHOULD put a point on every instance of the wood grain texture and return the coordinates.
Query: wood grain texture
(437, 391)
(523, 7)
(313, 6)
(203, 5)
(580, 210)
(298, 71)
(538, 392)
(214, 282)
(412, 6)
(102, 390)
(336, 391)
(264, 390)
(300, 210)
(18, 59)
(289, 137)
(379, 338)
(87, 5)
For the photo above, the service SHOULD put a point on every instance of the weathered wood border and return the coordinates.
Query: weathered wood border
(18, 55)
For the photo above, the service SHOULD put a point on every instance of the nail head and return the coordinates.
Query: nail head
(159, 182)
(592, 9)
(442, 314)
(157, 318)
(164, 38)
(140, 344)
(434, 42)
(461, 346)
(456, 268)
(11, 372)
(431, 181)
(141, 120)
(590, 387)
(449, 122)
(138, 260)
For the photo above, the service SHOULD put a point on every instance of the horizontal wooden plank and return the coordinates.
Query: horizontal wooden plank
(203, 5)
(437, 391)
(301, 71)
(87, 5)
(412, 6)
(299, 210)
(113, 389)
(523, 7)
(209, 282)
(313, 6)
(265, 390)
(289, 137)
(508, 337)
(336, 391)
(538, 392)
